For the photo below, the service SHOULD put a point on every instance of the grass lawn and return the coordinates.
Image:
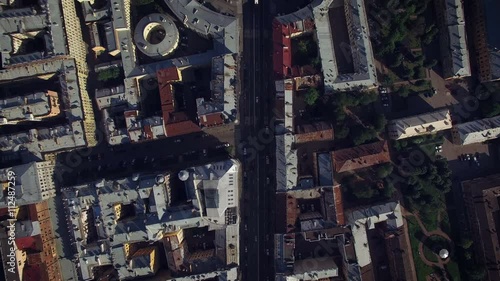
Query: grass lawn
(414, 232)
(453, 270)
(430, 255)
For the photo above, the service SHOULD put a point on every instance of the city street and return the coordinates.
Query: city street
(257, 225)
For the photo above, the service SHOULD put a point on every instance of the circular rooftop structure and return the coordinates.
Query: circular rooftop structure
(444, 254)
(156, 35)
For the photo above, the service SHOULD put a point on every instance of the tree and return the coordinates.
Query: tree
(367, 98)
(420, 83)
(363, 191)
(408, 72)
(312, 96)
(384, 170)
(429, 35)
(303, 46)
(398, 59)
(316, 62)
(430, 63)
(380, 122)
(341, 132)
(389, 189)
(476, 272)
(362, 135)
(141, 2)
(465, 243)
(403, 91)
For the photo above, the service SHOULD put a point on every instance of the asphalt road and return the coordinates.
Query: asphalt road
(258, 194)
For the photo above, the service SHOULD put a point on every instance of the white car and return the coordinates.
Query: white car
(244, 151)
(256, 99)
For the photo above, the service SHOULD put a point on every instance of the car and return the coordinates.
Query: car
(177, 140)
(245, 151)
(132, 162)
(267, 252)
(246, 227)
(267, 160)
(468, 157)
(246, 249)
(226, 144)
(475, 158)
(255, 238)
(257, 99)
(439, 148)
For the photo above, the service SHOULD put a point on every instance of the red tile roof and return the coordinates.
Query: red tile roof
(339, 205)
(29, 242)
(148, 132)
(213, 119)
(175, 123)
(167, 75)
(318, 131)
(32, 272)
(282, 50)
(282, 46)
(360, 157)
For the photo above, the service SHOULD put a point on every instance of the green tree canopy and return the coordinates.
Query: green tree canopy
(312, 96)
(108, 74)
(363, 191)
(380, 122)
(384, 170)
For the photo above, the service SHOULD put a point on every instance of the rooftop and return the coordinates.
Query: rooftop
(148, 35)
(56, 138)
(482, 204)
(27, 21)
(362, 156)
(365, 74)
(318, 131)
(476, 131)
(363, 220)
(422, 124)
(30, 107)
(27, 183)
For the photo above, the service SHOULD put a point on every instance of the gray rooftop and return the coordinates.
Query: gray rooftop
(56, 138)
(360, 44)
(26, 183)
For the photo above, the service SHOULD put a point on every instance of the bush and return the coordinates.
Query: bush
(108, 74)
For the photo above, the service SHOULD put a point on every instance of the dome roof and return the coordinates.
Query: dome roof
(444, 254)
